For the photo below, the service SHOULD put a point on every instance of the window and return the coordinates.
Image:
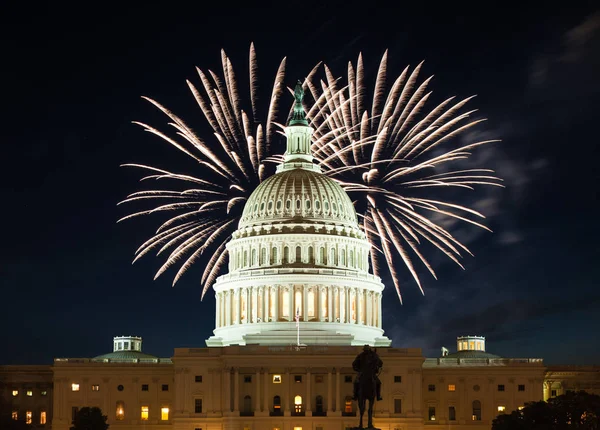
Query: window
(198, 378)
(120, 411)
(95, 387)
(15, 393)
(297, 378)
(74, 411)
(247, 405)
(319, 403)
(276, 379)
(451, 387)
(318, 378)
(277, 404)
(28, 417)
(501, 387)
(43, 417)
(165, 387)
(29, 393)
(74, 387)
(144, 415)
(247, 379)
(501, 408)
(347, 378)
(397, 379)
(521, 387)
(298, 404)
(431, 387)
(15, 415)
(397, 406)
(553, 393)
(348, 405)
(197, 406)
(476, 410)
(431, 413)
(521, 408)
(297, 428)
(120, 388)
(164, 413)
(44, 393)
(451, 413)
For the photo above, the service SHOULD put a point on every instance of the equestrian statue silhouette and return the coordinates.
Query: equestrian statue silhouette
(367, 385)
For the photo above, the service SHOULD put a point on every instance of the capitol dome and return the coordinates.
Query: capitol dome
(298, 262)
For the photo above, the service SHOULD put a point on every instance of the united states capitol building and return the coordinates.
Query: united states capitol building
(296, 306)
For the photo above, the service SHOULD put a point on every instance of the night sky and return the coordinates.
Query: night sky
(71, 85)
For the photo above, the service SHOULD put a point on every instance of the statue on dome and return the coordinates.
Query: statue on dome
(367, 385)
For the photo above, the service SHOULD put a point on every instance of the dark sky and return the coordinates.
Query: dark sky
(71, 85)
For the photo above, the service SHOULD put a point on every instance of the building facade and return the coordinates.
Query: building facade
(296, 307)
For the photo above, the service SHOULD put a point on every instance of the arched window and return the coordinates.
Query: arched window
(322, 255)
(274, 256)
(263, 256)
(351, 259)
(288, 204)
(247, 407)
(245, 258)
(298, 254)
(286, 255)
(277, 404)
(270, 206)
(348, 405)
(343, 257)
(120, 410)
(333, 257)
(254, 257)
(298, 404)
(311, 255)
(476, 410)
(319, 404)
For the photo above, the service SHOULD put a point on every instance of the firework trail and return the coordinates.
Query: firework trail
(382, 158)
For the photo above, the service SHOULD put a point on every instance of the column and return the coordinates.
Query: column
(292, 311)
(336, 304)
(319, 303)
(266, 404)
(236, 391)
(218, 311)
(257, 401)
(286, 397)
(265, 302)
(329, 304)
(368, 306)
(305, 303)
(237, 303)
(248, 295)
(329, 392)
(277, 298)
(227, 389)
(308, 395)
(337, 390)
(379, 314)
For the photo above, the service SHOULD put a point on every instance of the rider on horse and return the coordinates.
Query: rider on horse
(368, 357)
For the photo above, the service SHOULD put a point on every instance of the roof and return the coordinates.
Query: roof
(471, 354)
(126, 356)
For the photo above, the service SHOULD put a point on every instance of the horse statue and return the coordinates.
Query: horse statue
(367, 385)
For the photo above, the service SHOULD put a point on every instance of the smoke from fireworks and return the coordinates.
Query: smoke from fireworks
(382, 158)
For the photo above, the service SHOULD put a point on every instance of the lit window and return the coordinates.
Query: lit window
(43, 417)
(15, 415)
(298, 404)
(120, 411)
(501, 408)
(29, 393)
(451, 387)
(297, 428)
(44, 393)
(521, 408)
(276, 379)
(431, 413)
(74, 387)
(15, 393)
(164, 414)
(95, 387)
(28, 416)
(144, 416)
(348, 405)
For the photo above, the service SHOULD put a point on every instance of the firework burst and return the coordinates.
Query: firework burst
(382, 158)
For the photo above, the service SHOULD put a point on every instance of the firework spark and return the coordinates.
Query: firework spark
(382, 158)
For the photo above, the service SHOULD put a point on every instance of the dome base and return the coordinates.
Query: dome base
(311, 333)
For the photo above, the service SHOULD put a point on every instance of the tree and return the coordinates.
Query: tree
(90, 419)
(574, 410)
